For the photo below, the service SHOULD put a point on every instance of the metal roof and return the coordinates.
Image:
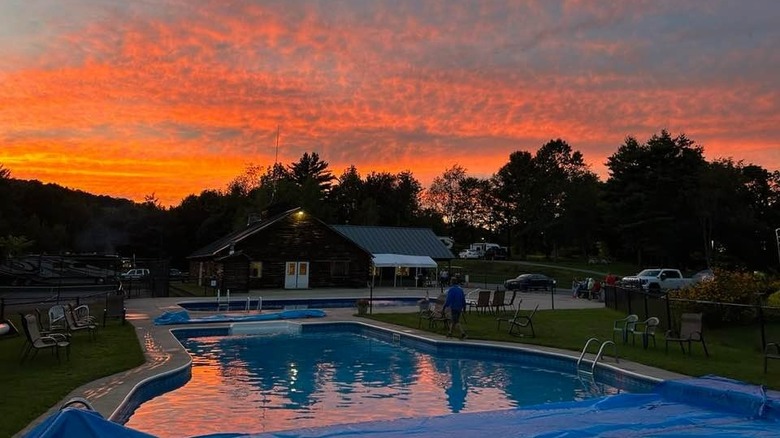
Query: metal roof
(396, 240)
(213, 248)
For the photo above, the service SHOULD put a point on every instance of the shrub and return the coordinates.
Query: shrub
(774, 299)
(728, 287)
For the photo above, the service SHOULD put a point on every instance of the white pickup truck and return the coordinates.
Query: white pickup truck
(658, 279)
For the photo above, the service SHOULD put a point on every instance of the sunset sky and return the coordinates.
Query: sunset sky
(171, 97)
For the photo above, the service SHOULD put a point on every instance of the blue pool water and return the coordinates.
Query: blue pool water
(272, 382)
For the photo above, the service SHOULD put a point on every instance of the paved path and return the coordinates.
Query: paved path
(164, 353)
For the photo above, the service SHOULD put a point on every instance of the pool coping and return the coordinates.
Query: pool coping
(165, 355)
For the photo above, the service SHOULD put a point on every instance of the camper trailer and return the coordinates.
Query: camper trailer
(482, 247)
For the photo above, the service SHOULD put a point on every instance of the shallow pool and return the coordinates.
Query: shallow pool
(273, 382)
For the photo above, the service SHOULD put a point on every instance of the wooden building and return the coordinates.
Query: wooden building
(291, 250)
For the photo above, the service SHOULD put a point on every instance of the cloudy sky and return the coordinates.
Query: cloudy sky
(171, 97)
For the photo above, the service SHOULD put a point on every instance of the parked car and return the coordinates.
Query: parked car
(496, 253)
(135, 274)
(705, 275)
(657, 280)
(469, 254)
(529, 282)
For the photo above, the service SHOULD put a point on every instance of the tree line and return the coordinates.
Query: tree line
(662, 204)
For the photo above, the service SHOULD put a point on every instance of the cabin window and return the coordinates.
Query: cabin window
(339, 269)
(255, 269)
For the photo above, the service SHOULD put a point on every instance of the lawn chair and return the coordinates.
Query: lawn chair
(47, 331)
(769, 355)
(646, 329)
(624, 327)
(522, 321)
(73, 326)
(513, 318)
(433, 314)
(57, 319)
(115, 306)
(690, 331)
(35, 342)
(81, 314)
(498, 301)
(483, 301)
(511, 303)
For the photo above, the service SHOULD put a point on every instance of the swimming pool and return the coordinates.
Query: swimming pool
(318, 303)
(346, 373)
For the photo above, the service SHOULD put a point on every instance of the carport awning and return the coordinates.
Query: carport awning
(391, 260)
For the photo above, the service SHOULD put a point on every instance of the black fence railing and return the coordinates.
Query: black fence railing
(21, 299)
(668, 309)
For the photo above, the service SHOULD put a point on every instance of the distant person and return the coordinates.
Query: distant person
(610, 280)
(456, 302)
(595, 291)
(444, 278)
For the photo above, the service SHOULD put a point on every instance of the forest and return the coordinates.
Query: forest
(663, 203)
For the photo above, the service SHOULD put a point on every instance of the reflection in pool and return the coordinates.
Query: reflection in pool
(275, 382)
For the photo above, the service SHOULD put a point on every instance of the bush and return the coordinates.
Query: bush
(728, 287)
(774, 299)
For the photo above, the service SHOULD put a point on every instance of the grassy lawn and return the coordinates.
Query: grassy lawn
(29, 389)
(188, 289)
(734, 351)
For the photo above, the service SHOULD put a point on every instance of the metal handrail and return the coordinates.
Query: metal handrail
(585, 350)
(601, 353)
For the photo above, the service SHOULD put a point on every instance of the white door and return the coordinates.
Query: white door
(296, 275)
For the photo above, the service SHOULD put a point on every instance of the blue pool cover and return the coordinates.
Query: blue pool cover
(704, 407)
(183, 317)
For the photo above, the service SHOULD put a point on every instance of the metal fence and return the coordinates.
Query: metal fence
(668, 309)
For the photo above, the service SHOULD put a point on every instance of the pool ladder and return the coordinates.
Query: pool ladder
(223, 305)
(249, 304)
(599, 355)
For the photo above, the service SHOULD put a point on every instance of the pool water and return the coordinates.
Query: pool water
(265, 383)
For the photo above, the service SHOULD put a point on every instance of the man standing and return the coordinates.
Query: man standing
(456, 301)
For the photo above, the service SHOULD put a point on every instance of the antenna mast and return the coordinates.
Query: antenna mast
(276, 161)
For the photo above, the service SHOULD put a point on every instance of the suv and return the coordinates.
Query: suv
(135, 274)
(495, 253)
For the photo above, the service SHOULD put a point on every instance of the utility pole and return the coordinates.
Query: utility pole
(276, 161)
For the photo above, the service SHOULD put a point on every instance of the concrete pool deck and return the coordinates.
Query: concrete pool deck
(164, 353)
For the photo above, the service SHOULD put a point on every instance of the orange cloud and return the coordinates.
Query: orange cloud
(130, 100)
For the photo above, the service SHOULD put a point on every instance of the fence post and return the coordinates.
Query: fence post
(761, 322)
(630, 297)
(668, 313)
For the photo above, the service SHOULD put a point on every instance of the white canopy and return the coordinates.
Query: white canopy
(391, 260)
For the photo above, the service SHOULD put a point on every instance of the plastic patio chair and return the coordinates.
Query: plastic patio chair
(57, 319)
(73, 326)
(646, 330)
(624, 327)
(690, 331)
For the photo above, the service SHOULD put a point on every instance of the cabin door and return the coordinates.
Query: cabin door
(296, 275)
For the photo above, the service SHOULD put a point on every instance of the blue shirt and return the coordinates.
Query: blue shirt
(455, 298)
